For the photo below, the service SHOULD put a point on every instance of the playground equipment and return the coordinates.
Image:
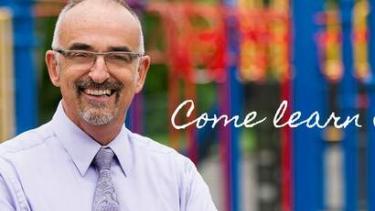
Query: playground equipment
(6, 76)
(324, 54)
(24, 71)
(213, 47)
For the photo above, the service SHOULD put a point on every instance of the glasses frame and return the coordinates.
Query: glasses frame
(133, 55)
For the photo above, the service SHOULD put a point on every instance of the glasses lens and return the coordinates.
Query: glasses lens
(80, 58)
(119, 60)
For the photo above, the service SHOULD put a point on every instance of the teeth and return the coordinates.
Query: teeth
(97, 92)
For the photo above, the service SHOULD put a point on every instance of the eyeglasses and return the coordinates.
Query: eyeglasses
(86, 59)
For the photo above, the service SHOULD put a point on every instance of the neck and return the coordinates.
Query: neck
(103, 134)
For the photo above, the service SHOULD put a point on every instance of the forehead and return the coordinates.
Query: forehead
(99, 25)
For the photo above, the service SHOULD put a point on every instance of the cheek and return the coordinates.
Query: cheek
(67, 82)
(128, 78)
(128, 90)
(67, 86)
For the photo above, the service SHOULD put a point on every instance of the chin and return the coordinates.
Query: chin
(97, 117)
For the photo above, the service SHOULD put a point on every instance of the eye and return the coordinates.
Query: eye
(78, 54)
(120, 57)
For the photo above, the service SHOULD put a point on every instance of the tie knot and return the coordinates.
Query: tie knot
(103, 158)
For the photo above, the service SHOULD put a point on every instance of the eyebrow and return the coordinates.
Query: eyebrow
(80, 46)
(83, 46)
(119, 48)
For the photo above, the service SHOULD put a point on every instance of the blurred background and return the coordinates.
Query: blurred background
(232, 57)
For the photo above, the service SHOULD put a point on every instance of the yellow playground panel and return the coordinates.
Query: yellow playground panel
(6, 76)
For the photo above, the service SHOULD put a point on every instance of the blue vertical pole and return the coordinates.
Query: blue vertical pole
(347, 99)
(347, 102)
(235, 91)
(309, 89)
(371, 110)
(26, 97)
(25, 77)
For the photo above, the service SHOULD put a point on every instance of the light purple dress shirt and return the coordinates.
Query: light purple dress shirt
(49, 169)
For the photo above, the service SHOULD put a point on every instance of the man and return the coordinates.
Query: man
(84, 158)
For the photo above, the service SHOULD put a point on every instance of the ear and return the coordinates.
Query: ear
(52, 67)
(142, 72)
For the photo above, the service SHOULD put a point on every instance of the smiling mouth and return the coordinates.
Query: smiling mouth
(98, 92)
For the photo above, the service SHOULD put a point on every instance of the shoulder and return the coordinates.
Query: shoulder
(164, 162)
(157, 151)
(150, 145)
(26, 141)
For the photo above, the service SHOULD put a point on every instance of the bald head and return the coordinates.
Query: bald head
(85, 12)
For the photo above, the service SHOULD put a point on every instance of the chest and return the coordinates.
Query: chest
(63, 188)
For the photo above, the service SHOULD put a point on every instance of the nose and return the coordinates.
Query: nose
(99, 71)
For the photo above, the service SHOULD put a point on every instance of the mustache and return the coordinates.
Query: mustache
(90, 84)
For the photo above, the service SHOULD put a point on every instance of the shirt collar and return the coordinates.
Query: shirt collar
(82, 148)
(123, 150)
